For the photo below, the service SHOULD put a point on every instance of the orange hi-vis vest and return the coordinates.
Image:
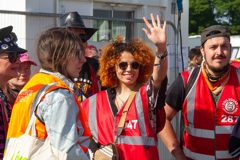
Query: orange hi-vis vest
(21, 117)
(208, 126)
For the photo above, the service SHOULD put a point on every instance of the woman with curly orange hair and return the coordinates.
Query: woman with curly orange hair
(127, 67)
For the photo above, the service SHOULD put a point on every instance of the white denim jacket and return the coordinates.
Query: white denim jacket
(59, 111)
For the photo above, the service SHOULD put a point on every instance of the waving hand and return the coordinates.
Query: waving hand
(157, 34)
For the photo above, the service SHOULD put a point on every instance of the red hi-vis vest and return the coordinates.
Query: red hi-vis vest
(137, 140)
(21, 117)
(208, 126)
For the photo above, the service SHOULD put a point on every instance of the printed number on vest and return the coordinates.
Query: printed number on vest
(131, 124)
(229, 119)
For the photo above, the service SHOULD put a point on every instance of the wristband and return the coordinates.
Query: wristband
(165, 54)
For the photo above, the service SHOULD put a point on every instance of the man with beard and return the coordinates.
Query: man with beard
(204, 95)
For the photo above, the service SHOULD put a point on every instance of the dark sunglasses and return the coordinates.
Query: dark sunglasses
(12, 57)
(124, 65)
(83, 37)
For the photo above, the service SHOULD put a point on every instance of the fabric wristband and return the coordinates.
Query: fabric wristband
(165, 54)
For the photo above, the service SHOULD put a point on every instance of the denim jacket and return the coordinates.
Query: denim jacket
(59, 111)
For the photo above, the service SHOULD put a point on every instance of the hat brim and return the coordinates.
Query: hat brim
(15, 49)
(30, 61)
(89, 31)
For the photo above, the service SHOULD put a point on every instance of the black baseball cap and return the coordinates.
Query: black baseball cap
(214, 31)
(8, 41)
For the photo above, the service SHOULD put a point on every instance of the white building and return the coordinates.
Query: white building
(30, 17)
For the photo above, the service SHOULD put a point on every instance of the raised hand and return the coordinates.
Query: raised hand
(157, 33)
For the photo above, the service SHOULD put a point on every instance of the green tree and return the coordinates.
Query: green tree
(228, 13)
(201, 15)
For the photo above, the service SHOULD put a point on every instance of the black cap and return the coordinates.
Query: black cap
(8, 41)
(214, 31)
(74, 20)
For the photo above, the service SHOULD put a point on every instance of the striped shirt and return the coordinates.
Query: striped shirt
(4, 104)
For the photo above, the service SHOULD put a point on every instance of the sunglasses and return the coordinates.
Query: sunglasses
(79, 53)
(12, 57)
(124, 65)
(83, 37)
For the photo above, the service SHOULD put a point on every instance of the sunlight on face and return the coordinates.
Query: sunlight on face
(217, 54)
(23, 76)
(129, 75)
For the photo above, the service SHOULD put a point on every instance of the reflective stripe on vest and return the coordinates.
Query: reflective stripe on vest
(137, 140)
(93, 113)
(197, 156)
(140, 113)
(191, 102)
(204, 133)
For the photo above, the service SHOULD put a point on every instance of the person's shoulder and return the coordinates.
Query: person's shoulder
(110, 91)
(98, 95)
(191, 65)
(92, 60)
(176, 86)
(59, 94)
(94, 63)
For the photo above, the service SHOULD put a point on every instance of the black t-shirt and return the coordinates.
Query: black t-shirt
(175, 94)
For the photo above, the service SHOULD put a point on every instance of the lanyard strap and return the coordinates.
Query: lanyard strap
(125, 110)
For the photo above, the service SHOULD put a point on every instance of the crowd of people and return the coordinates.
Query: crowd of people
(119, 96)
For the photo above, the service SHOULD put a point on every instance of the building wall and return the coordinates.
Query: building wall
(82, 7)
(45, 6)
(17, 21)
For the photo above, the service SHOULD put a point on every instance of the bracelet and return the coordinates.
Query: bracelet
(165, 54)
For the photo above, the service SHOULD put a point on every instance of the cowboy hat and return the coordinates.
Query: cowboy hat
(74, 20)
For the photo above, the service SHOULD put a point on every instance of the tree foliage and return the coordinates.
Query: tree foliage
(203, 13)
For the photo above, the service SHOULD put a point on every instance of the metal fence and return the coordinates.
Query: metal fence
(28, 26)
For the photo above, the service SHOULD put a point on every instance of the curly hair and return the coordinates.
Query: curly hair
(110, 56)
